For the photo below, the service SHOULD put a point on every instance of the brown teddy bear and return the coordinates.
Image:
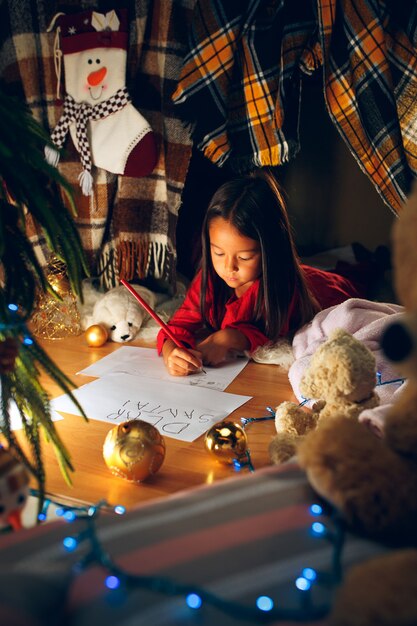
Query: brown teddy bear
(372, 481)
(379, 592)
(341, 378)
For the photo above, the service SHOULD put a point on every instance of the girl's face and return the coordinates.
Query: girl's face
(236, 258)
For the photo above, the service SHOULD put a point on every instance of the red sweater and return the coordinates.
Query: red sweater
(328, 288)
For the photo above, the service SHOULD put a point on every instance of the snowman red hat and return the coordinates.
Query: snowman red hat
(107, 130)
(89, 29)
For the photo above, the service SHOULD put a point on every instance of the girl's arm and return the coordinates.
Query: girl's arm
(219, 346)
(187, 320)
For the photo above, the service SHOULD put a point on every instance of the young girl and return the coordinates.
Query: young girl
(251, 288)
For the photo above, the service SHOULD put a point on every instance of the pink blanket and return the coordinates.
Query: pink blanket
(366, 321)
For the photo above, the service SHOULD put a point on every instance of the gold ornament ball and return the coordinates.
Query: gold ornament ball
(226, 441)
(96, 335)
(134, 450)
(60, 284)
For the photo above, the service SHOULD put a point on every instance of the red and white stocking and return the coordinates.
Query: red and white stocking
(106, 129)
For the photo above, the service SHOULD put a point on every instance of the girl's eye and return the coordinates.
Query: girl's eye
(242, 258)
(218, 253)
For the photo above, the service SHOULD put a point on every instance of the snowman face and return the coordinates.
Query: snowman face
(94, 75)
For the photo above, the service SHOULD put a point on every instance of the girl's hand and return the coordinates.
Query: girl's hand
(179, 361)
(221, 345)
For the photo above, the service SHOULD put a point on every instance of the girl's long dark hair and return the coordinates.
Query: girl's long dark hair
(255, 206)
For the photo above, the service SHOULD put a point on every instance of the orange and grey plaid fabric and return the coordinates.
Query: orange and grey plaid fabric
(240, 81)
(128, 227)
(370, 74)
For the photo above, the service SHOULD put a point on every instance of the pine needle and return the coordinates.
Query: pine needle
(30, 186)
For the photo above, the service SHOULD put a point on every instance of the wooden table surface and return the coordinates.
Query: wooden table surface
(186, 465)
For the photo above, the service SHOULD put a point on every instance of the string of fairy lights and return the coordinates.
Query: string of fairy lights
(325, 526)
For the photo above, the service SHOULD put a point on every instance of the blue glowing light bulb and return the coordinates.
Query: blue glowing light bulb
(265, 603)
(309, 573)
(70, 543)
(69, 516)
(12, 307)
(302, 583)
(119, 509)
(28, 341)
(316, 509)
(112, 582)
(237, 465)
(194, 601)
(318, 528)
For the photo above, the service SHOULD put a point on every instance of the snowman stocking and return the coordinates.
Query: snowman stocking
(106, 129)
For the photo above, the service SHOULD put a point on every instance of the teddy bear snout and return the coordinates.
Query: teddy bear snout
(125, 337)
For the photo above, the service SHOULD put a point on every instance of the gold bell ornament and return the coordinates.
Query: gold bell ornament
(55, 318)
(226, 441)
(134, 450)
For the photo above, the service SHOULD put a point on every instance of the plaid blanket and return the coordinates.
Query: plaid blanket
(128, 227)
(370, 70)
(241, 82)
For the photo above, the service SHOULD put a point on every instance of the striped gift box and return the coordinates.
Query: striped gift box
(235, 541)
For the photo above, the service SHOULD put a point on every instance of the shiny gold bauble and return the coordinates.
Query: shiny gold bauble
(96, 335)
(60, 284)
(134, 450)
(226, 441)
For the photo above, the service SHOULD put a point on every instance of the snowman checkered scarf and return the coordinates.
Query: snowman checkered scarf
(81, 113)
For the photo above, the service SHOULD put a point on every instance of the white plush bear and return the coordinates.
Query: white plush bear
(120, 313)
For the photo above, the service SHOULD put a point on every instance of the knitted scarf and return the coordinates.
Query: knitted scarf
(81, 113)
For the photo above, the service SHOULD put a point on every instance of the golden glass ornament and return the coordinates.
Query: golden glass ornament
(226, 441)
(96, 335)
(53, 318)
(134, 450)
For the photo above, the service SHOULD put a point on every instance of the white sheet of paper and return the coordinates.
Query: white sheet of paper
(145, 362)
(15, 419)
(178, 412)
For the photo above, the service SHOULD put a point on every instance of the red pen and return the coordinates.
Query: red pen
(152, 313)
